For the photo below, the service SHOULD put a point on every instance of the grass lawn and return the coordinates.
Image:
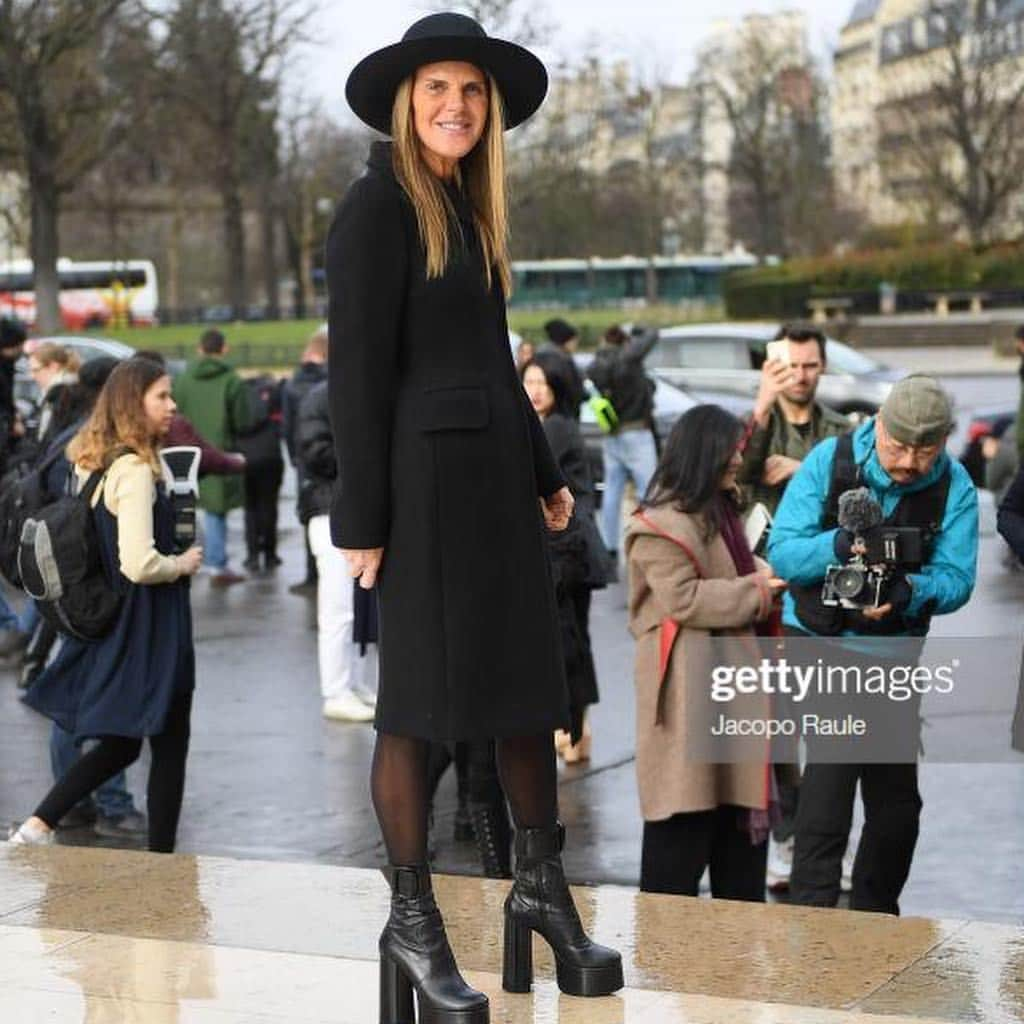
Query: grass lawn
(279, 343)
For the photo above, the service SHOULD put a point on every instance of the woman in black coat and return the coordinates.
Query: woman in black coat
(578, 554)
(445, 483)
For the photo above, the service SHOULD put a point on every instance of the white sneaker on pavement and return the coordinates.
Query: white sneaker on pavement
(24, 836)
(347, 707)
(780, 864)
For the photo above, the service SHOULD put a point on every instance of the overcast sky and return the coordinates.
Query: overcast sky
(653, 33)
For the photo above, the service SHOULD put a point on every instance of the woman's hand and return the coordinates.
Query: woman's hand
(364, 564)
(557, 509)
(189, 561)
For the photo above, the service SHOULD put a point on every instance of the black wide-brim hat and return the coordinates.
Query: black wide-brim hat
(520, 76)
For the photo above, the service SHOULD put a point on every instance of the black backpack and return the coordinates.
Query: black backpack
(60, 562)
(23, 492)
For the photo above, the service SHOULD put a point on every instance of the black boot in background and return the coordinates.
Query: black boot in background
(493, 832)
(540, 901)
(415, 956)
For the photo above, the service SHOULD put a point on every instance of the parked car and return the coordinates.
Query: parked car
(987, 425)
(727, 357)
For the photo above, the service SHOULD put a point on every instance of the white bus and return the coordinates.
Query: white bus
(97, 293)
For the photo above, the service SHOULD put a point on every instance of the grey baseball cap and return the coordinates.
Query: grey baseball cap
(918, 411)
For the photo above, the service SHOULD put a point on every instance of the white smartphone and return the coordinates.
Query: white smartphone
(777, 350)
(757, 526)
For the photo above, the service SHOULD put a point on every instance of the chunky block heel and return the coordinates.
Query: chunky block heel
(415, 958)
(396, 1002)
(540, 901)
(517, 962)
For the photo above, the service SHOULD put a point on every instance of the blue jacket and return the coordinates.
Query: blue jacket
(800, 552)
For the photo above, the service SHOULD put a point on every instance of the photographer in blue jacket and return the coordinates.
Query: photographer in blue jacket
(922, 504)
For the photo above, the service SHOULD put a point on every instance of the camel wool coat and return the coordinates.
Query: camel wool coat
(666, 586)
(442, 463)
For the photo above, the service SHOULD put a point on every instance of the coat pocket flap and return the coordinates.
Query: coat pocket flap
(455, 408)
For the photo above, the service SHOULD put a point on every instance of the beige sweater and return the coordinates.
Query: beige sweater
(129, 491)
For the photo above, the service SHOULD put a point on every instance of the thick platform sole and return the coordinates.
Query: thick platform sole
(397, 1002)
(573, 979)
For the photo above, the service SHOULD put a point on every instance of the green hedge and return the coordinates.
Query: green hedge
(783, 290)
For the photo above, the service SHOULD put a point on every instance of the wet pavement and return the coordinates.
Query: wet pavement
(270, 779)
(95, 935)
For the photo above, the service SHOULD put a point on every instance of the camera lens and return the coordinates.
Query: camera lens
(849, 582)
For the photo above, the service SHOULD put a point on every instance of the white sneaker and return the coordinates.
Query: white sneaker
(347, 707)
(368, 698)
(780, 864)
(21, 836)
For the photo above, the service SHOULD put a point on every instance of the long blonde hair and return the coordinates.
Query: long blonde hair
(484, 171)
(118, 423)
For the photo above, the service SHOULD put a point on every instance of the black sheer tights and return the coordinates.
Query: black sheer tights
(401, 793)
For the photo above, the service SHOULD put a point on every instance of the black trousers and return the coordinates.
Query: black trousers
(676, 852)
(112, 754)
(892, 811)
(262, 486)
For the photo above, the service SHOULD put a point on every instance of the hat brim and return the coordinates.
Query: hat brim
(520, 76)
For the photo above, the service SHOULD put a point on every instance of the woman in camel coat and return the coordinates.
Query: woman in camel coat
(691, 574)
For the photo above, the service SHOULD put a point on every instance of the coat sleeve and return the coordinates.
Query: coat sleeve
(947, 581)
(367, 264)
(211, 458)
(1011, 515)
(798, 549)
(681, 595)
(755, 452)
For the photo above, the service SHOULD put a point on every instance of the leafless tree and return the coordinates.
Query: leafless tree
(956, 143)
(63, 111)
(223, 60)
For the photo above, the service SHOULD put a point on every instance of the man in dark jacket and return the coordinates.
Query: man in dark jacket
(310, 372)
(787, 421)
(12, 339)
(563, 341)
(630, 452)
(348, 677)
(264, 471)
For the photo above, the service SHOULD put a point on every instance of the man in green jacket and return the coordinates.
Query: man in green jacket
(787, 420)
(786, 423)
(213, 397)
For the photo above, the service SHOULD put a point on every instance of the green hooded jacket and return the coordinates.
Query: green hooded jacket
(213, 398)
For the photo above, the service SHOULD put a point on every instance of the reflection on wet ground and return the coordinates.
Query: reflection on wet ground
(98, 935)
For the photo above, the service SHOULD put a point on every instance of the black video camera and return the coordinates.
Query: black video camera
(890, 551)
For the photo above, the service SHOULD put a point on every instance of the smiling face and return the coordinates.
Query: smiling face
(158, 406)
(449, 105)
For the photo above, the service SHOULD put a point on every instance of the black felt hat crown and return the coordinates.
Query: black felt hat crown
(520, 76)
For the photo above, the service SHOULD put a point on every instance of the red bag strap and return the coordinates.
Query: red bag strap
(701, 574)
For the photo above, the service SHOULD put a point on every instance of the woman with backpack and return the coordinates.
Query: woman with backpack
(137, 680)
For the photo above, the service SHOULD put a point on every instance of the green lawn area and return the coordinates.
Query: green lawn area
(279, 343)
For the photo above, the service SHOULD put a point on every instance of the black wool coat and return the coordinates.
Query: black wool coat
(441, 460)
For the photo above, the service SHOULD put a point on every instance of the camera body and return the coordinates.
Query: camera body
(180, 466)
(861, 582)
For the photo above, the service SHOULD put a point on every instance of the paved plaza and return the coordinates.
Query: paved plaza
(270, 780)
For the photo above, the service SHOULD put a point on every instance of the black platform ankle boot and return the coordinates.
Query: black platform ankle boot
(540, 902)
(493, 833)
(415, 956)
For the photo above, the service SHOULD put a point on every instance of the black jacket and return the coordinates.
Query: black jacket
(618, 373)
(303, 380)
(441, 462)
(314, 450)
(1011, 515)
